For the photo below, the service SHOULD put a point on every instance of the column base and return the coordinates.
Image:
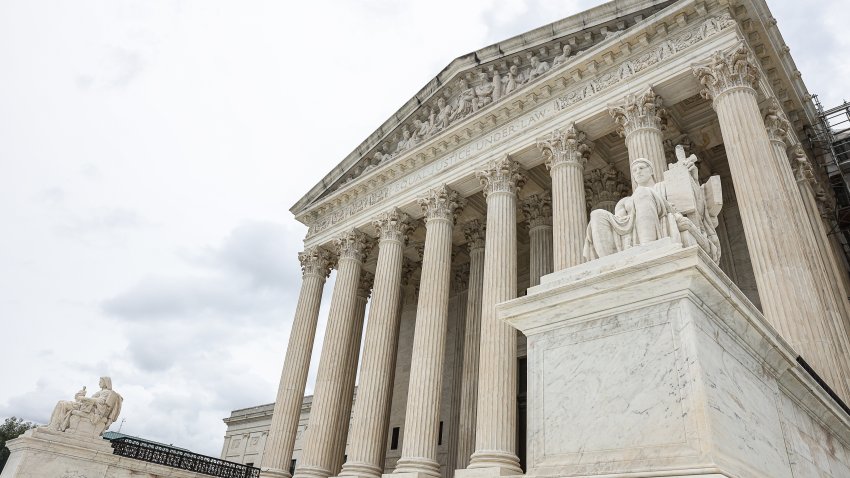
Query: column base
(274, 473)
(360, 470)
(307, 471)
(488, 472)
(416, 467)
(492, 463)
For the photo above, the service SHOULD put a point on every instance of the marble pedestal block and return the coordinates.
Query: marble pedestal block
(652, 363)
(43, 453)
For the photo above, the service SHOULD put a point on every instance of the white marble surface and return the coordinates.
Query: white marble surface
(662, 366)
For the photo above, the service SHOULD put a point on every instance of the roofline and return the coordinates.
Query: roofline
(510, 46)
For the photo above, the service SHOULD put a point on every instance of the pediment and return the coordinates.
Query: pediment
(481, 83)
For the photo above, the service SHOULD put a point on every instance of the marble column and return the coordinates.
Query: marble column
(830, 325)
(315, 268)
(457, 329)
(475, 233)
(566, 153)
(642, 120)
(784, 281)
(422, 417)
(319, 445)
(537, 209)
(495, 431)
(374, 395)
(364, 290)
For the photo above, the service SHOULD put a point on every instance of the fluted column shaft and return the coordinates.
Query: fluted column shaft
(341, 437)
(538, 214)
(495, 433)
(371, 410)
(317, 456)
(315, 265)
(784, 281)
(566, 154)
(831, 324)
(642, 120)
(475, 236)
(422, 417)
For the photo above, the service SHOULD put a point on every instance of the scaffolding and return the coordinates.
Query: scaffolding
(829, 139)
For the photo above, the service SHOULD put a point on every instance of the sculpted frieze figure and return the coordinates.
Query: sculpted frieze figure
(465, 103)
(512, 80)
(484, 91)
(563, 57)
(87, 416)
(538, 68)
(677, 207)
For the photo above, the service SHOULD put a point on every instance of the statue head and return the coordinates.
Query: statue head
(642, 171)
(105, 382)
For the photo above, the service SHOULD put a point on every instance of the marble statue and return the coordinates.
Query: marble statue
(484, 91)
(538, 68)
(465, 103)
(563, 57)
(677, 207)
(88, 416)
(512, 79)
(444, 114)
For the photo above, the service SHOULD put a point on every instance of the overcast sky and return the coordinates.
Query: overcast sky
(150, 151)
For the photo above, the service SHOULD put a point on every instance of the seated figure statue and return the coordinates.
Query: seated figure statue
(677, 207)
(89, 416)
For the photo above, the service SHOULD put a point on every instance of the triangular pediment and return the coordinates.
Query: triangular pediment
(478, 83)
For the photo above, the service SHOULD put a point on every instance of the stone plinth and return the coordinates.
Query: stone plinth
(43, 453)
(652, 363)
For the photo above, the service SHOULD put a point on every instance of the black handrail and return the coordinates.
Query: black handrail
(182, 459)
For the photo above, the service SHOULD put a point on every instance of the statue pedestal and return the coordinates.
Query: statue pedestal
(652, 363)
(44, 453)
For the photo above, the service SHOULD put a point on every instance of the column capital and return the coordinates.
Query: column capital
(639, 111)
(460, 277)
(442, 203)
(393, 225)
(569, 146)
(776, 124)
(475, 231)
(364, 285)
(670, 147)
(316, 261)
(353, 245)
(604, 187)
(537, 209)
(727, 70)
(502, 175)
(408, 271)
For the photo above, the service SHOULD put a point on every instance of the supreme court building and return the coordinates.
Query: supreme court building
(485, 181)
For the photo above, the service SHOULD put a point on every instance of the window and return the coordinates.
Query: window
(440, 436)
(394, 440)
(292, 467)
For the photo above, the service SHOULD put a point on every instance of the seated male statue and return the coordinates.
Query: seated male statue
(677, 207)
(88, 415)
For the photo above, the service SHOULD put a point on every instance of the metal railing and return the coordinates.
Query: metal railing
(182, 459)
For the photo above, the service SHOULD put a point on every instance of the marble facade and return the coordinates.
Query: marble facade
(477, 194)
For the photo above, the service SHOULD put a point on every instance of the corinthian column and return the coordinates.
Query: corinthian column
(566, 153)
(315, 268)
(371, 410)
(830, 325)
(495, 431)
(784, 281)
(538, 213)
(317, 456)
(642, 120)
(475, 233)
(421, 423)
(364, 290)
